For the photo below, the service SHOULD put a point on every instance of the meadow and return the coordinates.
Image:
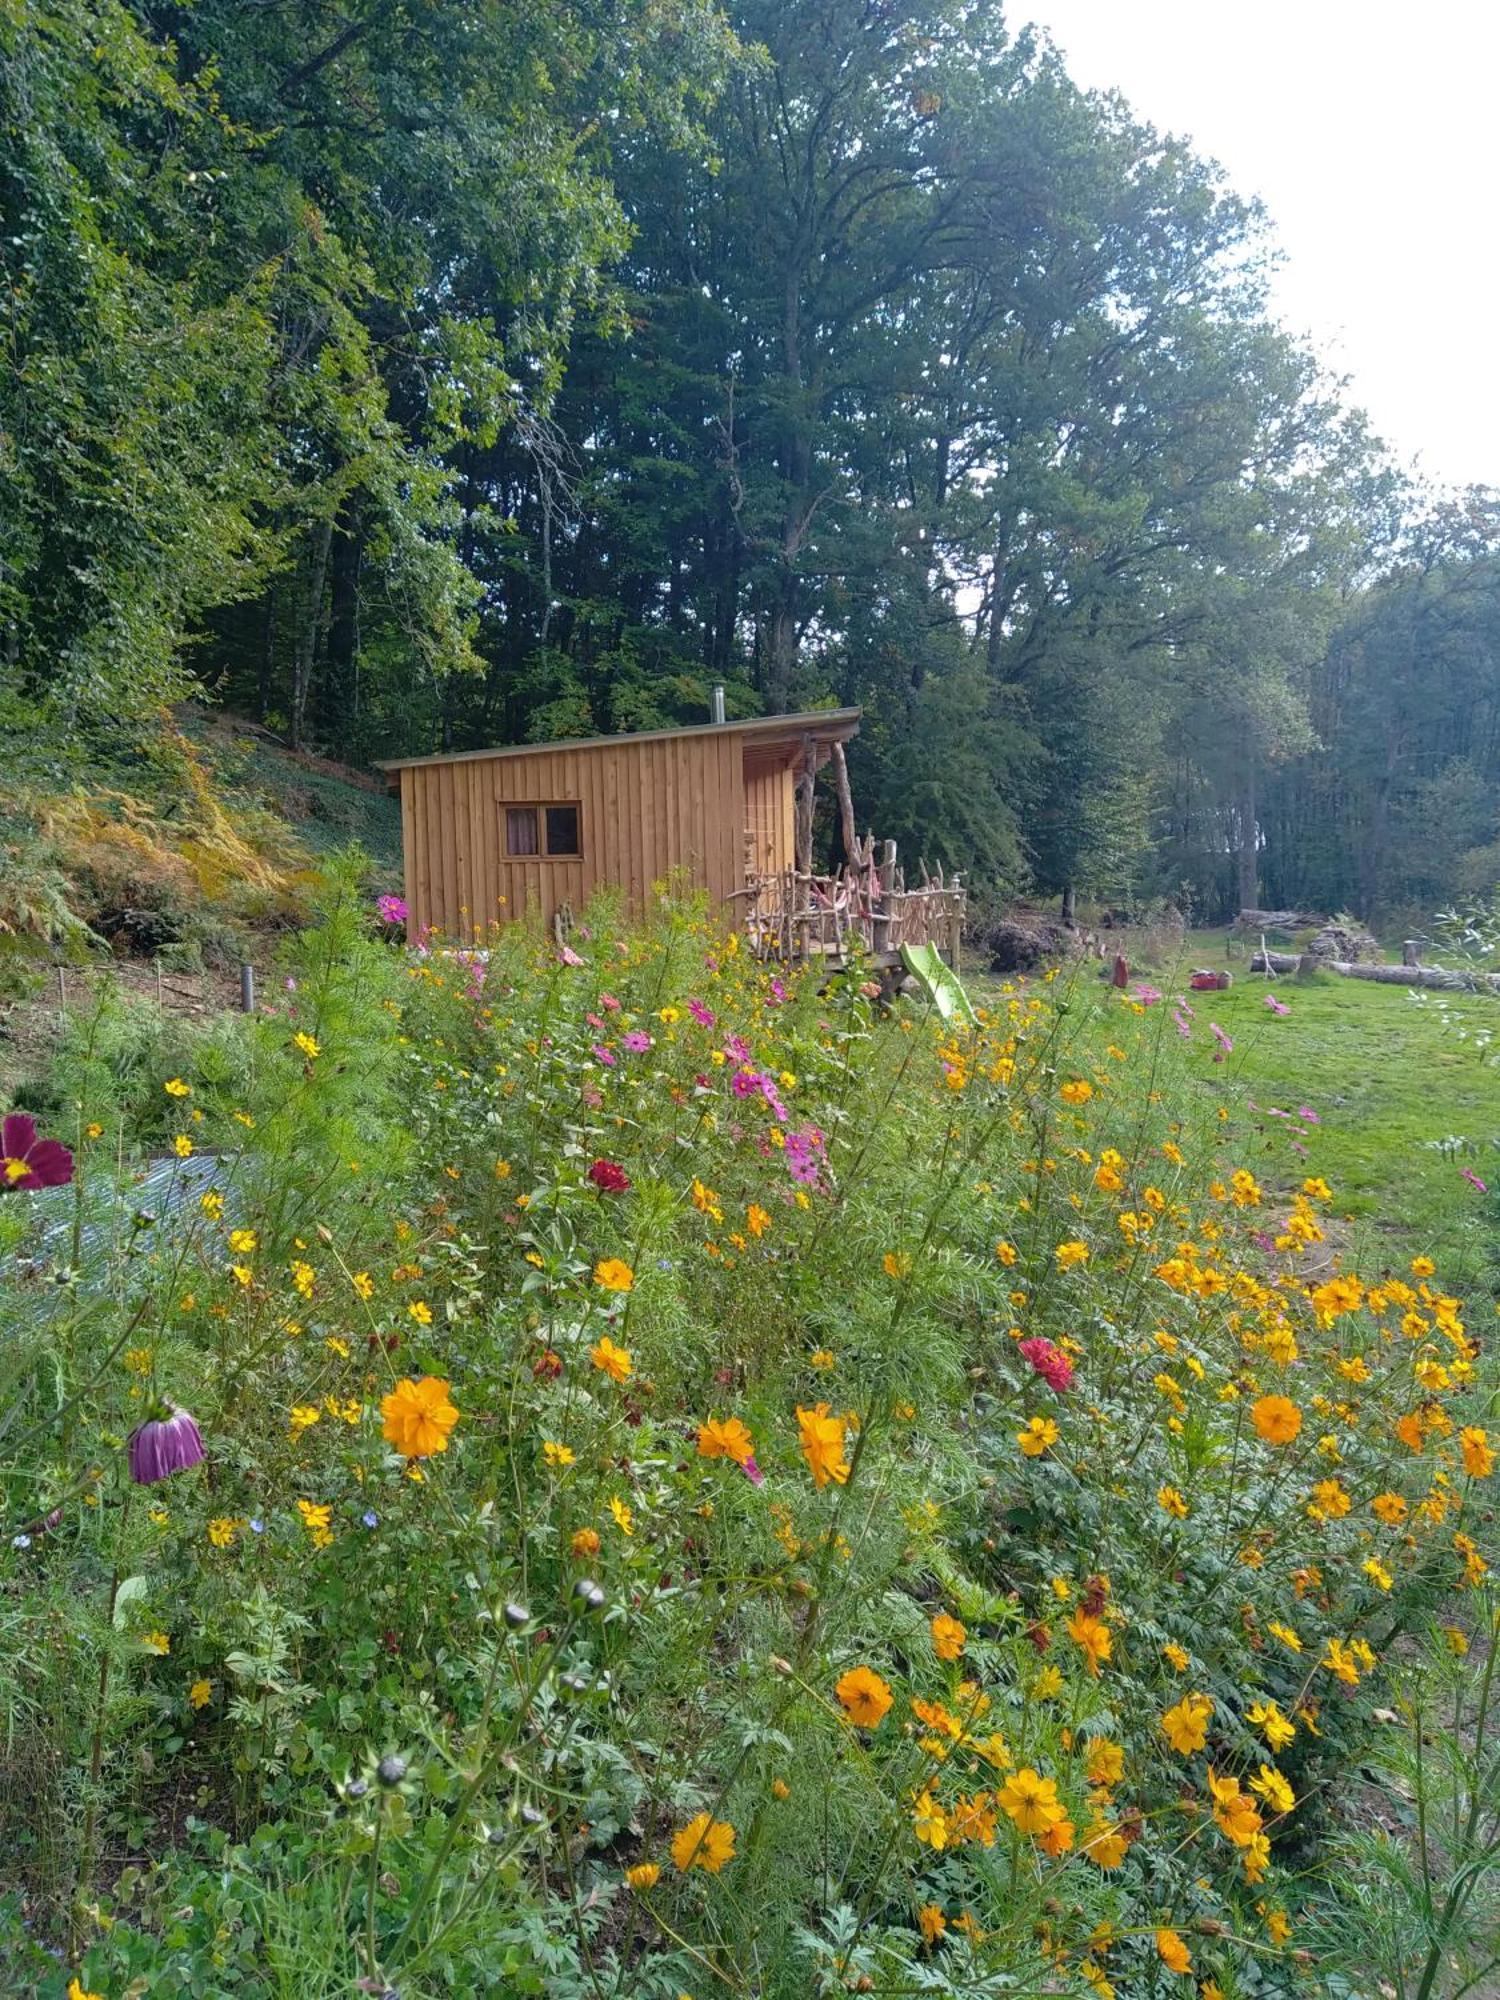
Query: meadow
(610, 1470)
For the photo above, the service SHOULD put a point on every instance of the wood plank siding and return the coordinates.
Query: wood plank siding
(663, 802)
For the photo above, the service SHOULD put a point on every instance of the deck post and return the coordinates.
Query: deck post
(880, 926)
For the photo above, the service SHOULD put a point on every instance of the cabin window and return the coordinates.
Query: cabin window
(548, 832)
(563, 830)
(521, 830)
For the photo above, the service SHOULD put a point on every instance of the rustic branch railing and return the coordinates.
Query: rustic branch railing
(793, 914)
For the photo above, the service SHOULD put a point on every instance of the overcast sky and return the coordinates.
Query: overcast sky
(1370, 129)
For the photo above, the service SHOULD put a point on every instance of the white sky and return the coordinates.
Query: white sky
(1369, 128)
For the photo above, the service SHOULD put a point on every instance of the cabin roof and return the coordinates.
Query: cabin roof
(824, 725)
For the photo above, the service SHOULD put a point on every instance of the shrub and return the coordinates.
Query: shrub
(707, 1487)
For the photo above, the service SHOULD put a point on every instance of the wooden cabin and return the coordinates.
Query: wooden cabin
(489, 834)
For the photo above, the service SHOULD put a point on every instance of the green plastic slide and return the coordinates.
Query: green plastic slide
(939, 982)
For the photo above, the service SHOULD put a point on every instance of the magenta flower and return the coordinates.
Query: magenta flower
(1226, 1044)
(704, 1016)
(1147, 995)
(737, 1049)
(1183, 1028)
(567, 956)
(604, 1055)
(164, 1444)
(752, 1471)
(1277, 1006)
(778, 991)
(1308, 1116)
(1474, 1180)
(609, 1003)
(390, 909)
(637, 1041)
(1054, 1367)
(29, 1162)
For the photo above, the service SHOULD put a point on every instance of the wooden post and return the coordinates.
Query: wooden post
(804, 809)
(846, 806)
(1411, 951)
(880, 928)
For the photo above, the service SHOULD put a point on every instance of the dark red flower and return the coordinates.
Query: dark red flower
(29, 1162)
(1050, 1363)
(608, 1178)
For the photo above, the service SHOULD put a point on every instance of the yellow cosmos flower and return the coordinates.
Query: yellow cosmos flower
(201, 1693)
(1070, 1254)
(307, 1045)
(931, 1922)
(1479, 1453)
(613, 1274)
(611, 1360)
(1040, 1434)
(556, 1455)
(624, 1519)
(1172, 1952)
(705, 1843)
(156, 1642)
(1185, 1724)
(175, 1087)
(645, 1875)
(418, 1416)
(1030, 1801)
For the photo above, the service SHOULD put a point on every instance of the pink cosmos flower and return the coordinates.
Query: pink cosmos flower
(567, 956)
(1054, 1367)
(29, 1162)
(1226, 1044)
(1182, 1025)
(1474, 1180)
(167, 1443)
(1147, 995)
(604, 1055)
(609, 1003)
(390, 909)
(637, 1041)
(1277, 1006)
(704, 1016)
(737, 1049)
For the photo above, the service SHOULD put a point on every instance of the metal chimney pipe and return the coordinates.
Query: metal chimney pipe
(717, 705)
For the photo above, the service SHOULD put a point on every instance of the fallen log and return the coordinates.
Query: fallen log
(1436, 978)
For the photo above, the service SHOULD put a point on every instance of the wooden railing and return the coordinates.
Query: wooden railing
(793, 915)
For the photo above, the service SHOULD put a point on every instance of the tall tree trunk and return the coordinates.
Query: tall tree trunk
(266, 680)
(1247, 854)
(343, 624)
(307, 638)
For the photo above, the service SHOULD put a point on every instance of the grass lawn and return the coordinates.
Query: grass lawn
(1404, 1101)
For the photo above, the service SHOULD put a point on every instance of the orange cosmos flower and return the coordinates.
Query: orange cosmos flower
(821, 1437)
(1276, 1418)
(864, 1697)
(726, 1439)
(948, 1636)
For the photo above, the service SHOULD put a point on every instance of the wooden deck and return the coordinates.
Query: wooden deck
(866, 909)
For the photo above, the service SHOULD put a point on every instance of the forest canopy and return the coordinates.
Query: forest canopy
(415, 375)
